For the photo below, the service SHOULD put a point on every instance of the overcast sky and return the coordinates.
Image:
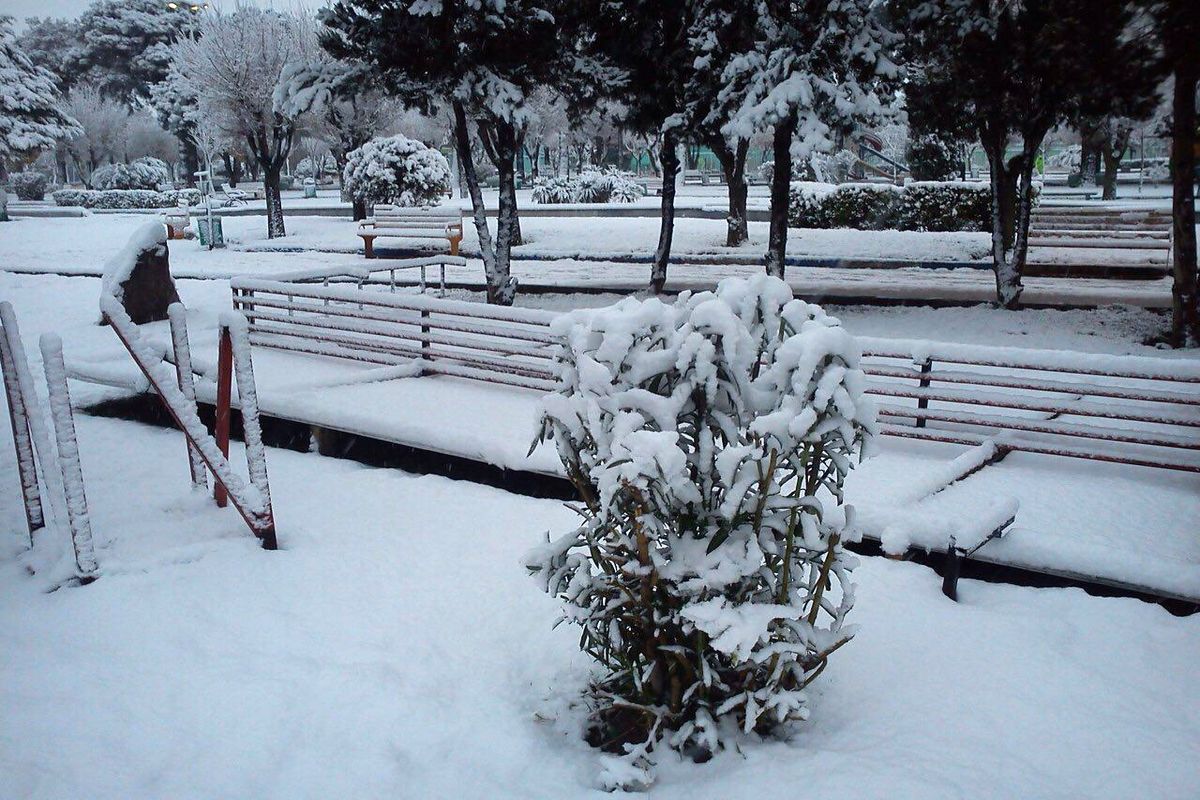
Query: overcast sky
(73, 8)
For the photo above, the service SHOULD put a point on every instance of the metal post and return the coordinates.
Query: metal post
(224, 389)
(425, 335)
(923, 402)
(187, 387)
(68, 457)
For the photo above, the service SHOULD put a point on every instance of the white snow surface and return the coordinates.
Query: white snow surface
(395, 646)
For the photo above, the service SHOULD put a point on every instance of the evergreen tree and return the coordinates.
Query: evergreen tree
(124, 45)
(481, 57)
(648, 43)
(1016, 70)
(345, 107)
(816, 71)
(31, 119)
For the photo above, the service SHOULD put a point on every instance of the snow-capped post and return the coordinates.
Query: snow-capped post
(39, 434)
(223, 406)
(177, 314)
(22, 441)
(68, 457)
(236, 330)
(709, 441)
(246, 498)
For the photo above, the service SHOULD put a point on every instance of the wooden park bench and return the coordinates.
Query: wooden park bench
(1133, 410)
(408, 223)
(1139, 411)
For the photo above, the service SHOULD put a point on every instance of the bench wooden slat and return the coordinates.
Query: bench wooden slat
(1038, 384)
(1027, 403)
(1034, 425)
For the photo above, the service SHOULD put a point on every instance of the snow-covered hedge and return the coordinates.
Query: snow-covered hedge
(397, 171)
(143, 173)
(590, 186)
(28, 185)
(709, 441)
(925, 206)
(125, 198)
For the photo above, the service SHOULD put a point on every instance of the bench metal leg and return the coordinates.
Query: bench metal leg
(369, 246)
(443, 280)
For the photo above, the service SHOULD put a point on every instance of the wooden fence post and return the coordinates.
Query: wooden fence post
(224, 390)
(187, 387)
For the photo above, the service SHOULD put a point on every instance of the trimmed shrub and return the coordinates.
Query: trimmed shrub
(952, 206)
(870, 206)
(125, 198)
(925, 206)
(143, 173)
(28, 185)
(766, 171)
(590, 186)
(397, 171)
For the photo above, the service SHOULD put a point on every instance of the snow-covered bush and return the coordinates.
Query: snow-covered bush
(766, 171)
(945, 207)
(867, 206)
(806, 204)
(555, 189)
(28, 185)
(144, 173)
(591, 186)
(924, 206)
(397, 171)
(125, 198)
(709, 441)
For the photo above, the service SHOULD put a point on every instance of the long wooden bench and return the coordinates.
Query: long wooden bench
(1125, 409)
(408, 223)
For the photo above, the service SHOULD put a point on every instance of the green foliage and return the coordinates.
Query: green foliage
(925, 206)
(125, 198)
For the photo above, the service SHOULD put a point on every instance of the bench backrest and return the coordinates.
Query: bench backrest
(494, 344)
(1125, 409)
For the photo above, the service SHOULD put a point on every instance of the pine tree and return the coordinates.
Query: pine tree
(483, 58)
(816, 71)
(30, 117)
(124, 46)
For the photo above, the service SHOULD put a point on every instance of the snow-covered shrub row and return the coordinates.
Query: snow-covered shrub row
(397, 171)
(590, 186)
(28, 185)
(125, 198)
(925, 206)
(945, 206)
(766, 171)
(143, 173)
(709, 441)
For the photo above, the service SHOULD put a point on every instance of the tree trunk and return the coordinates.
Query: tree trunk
(508, 226)
(60, 164)
(1004, 204)
(733, 165)
(662, 254)
(518, 159)
(191, 160)
(497, 283)
(1185, 287)
(1111, 152)
(781, 181)
(275, 228)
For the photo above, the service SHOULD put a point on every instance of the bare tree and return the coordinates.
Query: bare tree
(105, 123)
(235, 64)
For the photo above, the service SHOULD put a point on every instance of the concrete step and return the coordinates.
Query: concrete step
(1099, 243)
(1075, 233)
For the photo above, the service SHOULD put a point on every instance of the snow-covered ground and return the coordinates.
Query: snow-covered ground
(396, 648)
(81, 245)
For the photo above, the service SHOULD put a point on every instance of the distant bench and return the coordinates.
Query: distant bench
(407, 223)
